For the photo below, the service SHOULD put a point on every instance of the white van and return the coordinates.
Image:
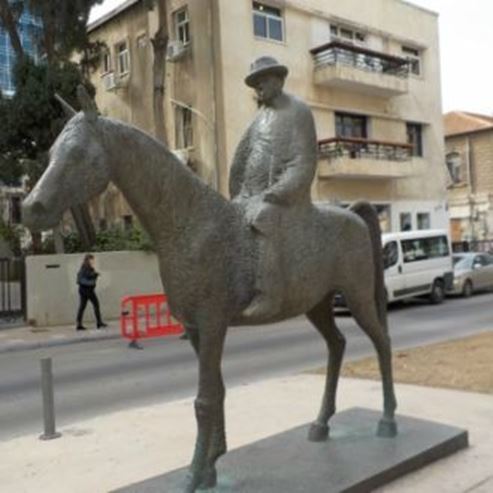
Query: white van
(417, 263)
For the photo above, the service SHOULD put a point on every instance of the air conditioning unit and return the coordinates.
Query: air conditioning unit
(110, 81)
(176, 50)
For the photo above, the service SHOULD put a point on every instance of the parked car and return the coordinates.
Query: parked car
(417, 263)
(473, 271)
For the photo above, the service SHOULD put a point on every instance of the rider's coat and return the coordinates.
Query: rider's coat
(278, 154)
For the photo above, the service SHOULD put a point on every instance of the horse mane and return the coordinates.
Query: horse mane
(154, 181)
(160, 156)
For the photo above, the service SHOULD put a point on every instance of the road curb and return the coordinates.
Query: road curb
(29, 346)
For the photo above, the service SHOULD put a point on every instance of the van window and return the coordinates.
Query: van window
(390, 254)
(425, 248)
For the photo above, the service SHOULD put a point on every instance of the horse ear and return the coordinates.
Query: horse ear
(87, 105)
(69, 111)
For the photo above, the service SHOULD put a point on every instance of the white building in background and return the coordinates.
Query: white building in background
(368, 69)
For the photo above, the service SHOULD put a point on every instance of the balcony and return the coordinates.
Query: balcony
(362, 158)
(355, 68)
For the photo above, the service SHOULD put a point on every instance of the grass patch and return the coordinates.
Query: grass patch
(465, 364)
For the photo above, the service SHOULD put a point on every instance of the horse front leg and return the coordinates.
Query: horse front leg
(218, 445)
(209, 411)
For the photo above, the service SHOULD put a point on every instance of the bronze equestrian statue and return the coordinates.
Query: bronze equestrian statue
(267, 255)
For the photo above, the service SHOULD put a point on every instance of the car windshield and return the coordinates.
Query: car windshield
(462, 261)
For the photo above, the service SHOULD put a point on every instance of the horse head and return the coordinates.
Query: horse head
(77, 169)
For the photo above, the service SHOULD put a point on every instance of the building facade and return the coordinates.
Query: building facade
(369, 71)
(469, 158)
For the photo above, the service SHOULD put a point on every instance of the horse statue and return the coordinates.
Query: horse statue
(207, 261)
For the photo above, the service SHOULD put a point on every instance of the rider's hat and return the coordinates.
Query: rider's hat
(265, 65)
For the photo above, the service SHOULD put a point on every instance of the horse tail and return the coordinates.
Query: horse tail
(369, 215)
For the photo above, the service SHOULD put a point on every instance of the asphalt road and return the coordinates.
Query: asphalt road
(96, 378)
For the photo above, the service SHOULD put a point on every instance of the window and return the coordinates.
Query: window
(425, 248)
(413, 55)
(479, 260)
(184, 127)
(383, 212)
(106, 62)
(182, 26)
(347, 34)
(415, 138)
(15, 210)
(424, 221)
(351, 126)
(390, 254)
(142, 41)
(454, 166)
(462, 262)
(128, 222)
(267, 22)
(123, 57)
(406, 221)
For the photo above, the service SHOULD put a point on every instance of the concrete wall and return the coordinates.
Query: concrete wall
(52, 292)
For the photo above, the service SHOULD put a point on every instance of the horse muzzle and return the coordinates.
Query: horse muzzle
(36, 216)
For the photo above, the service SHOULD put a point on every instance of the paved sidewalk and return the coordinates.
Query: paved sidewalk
(26, 338)
(115, 450)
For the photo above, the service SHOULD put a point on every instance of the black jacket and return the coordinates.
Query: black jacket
(87, 276)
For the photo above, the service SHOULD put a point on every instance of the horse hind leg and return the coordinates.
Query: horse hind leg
(364, 310)
(322, 317)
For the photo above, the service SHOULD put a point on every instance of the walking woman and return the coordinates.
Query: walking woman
(86, 279)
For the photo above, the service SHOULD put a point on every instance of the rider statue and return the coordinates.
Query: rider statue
(271, 175)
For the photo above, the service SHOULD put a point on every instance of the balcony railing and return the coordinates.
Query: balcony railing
(337, 52)
(353, 148)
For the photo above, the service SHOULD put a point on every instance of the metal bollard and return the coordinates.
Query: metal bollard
(50, 432)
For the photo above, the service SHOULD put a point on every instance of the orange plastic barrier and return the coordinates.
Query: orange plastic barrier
(146, 316)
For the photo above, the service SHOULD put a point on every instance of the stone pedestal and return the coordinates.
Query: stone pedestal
(353, 460)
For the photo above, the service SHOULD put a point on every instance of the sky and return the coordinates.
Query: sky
(466, 45)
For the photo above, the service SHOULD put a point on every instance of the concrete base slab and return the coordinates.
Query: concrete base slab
(354, 460)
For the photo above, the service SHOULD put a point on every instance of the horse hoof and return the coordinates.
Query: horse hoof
(387, 428)
(318, 433)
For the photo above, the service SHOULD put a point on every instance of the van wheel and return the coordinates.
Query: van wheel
(467, 290)
(437, 294)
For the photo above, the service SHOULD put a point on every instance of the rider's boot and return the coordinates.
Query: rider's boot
(268, 298)
(262, 306)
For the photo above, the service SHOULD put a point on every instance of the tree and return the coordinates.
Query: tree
(160, 47)
(32, 119)
(64, 26)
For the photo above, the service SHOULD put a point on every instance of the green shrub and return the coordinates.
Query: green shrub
(12, 236)
(110, 240)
